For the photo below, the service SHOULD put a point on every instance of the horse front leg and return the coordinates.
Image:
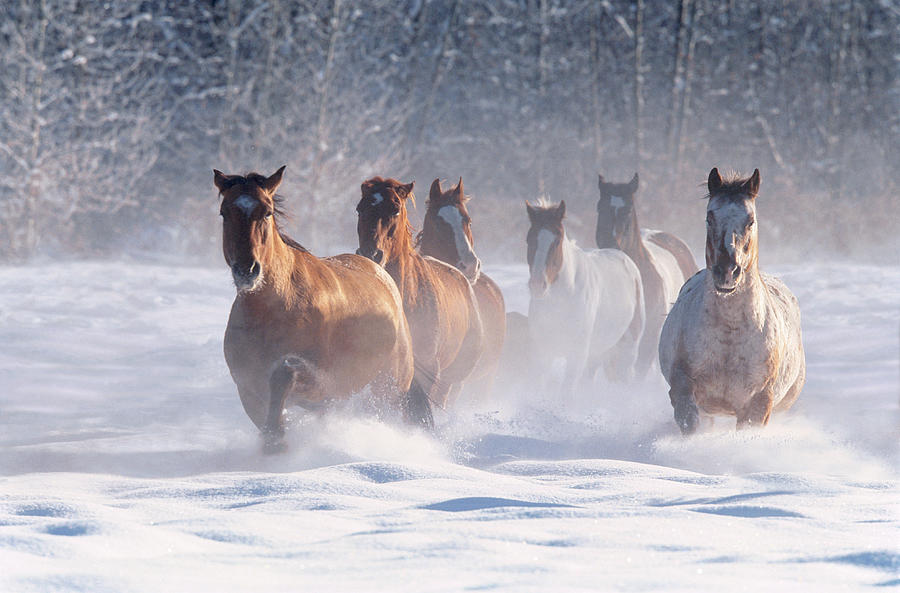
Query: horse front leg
(290, 374)
(757, 411)
(681, 395)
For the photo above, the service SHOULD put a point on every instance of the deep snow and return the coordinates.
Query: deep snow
(127, 463)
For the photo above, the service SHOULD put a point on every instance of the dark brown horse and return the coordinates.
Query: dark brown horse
(447, 235)
(438, 300)
(303, 330)
(664, 260)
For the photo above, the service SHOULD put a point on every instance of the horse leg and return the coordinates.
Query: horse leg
(757, 411)
(292, 372)
(681, 395)
(417, 406)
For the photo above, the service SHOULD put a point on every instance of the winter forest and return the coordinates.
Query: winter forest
(112, 114)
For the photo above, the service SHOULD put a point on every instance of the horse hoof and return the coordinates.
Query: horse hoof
(687, 417)
(274, 445)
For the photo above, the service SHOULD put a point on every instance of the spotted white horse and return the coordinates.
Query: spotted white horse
(586, 306)
(731, 344)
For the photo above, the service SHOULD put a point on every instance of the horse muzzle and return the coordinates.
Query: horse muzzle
(246, 277)
(376, 255)
(726, 277)
(471, 269)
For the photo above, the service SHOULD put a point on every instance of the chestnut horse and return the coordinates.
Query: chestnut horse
(585, 306)
(664, 260)
(303, 330)
(438, 300)
(731, 344)
(447, 235)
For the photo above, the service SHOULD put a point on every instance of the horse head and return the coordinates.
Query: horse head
(545, 237)
(248, 210)
(615, 212)
(731, 235)
(383, 227)
(447, 229)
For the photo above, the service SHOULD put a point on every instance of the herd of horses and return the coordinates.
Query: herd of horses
(414, 318)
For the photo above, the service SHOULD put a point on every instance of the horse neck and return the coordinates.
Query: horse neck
(747, 304)
(280, 270)
(400, 261)
(568, 270)
(630, 241)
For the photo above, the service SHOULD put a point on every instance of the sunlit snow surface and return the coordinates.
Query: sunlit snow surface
(127, 463)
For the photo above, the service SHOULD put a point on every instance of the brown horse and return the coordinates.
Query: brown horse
(665, 262)
(447, 235)
(732, 344)
(303, 330)
(439, 302)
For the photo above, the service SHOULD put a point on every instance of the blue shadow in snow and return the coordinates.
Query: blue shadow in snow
(477, 503)
(748, 512)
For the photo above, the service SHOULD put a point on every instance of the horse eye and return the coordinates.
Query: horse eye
(268, 215)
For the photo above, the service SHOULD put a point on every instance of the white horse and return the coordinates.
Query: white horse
(731, 344)
(585, 306)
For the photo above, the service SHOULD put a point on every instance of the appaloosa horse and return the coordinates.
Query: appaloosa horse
(664, 260)
(731, 344)
(585, 306)
(439, 302)
(303, 330)
(447, 235)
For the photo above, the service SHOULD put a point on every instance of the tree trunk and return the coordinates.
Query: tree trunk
(32, 192)
(638, 84)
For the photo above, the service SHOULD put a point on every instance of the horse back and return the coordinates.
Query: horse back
(492, 310)
(678, 248)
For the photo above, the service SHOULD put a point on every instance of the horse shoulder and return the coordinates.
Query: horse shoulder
(685, 317)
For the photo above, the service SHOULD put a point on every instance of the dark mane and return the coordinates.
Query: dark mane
(733, 186)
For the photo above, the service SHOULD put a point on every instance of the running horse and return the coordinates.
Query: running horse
(664, 260)
(731, 344)
(447, 235)
(438, 300)
(585, 306)
(303, 330)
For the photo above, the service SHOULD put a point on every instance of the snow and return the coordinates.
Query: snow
(127, 463)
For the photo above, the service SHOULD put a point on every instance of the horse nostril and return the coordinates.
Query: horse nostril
(378, 256)
(254, 269)
(737, 271)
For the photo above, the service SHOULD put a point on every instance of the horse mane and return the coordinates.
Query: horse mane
(732, 186)
(280, 214)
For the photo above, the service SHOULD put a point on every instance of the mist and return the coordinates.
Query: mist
(113, 114)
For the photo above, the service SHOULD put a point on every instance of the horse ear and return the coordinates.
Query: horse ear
(633, 185)
(714, 181)
(531, 210)
(561, 210)
(751, 186)
(435, 191)
(406, 190)
(599, 181)
(220, 179)
(459, 189)
(273, 181)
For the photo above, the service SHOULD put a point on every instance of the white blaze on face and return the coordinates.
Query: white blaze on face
(617, 202)
(730, 222)
(545, 239)
(246, 203)
(377, 198)
(452, 216)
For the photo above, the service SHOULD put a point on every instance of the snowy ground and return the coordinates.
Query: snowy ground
(127, 463)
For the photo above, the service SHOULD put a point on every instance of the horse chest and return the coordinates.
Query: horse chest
(729, 364)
